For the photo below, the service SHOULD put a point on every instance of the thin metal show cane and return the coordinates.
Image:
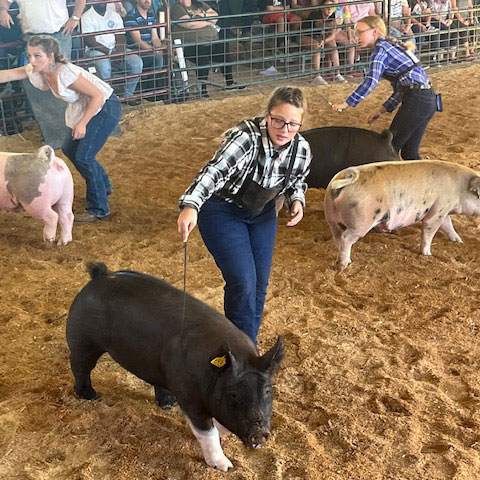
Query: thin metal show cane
(184, 293)
(328, 101)
(184, 281)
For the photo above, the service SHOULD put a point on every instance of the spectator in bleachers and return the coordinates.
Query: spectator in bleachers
(46, 17)
(129, 7)
(98, 18)
(235, 25)
(118, 7)
(400, 21)
(463, 19)
(442, 20)
(10, 58)
(9, 35)
(361, 10)
(197, 38)
(324, 22)
(277, 18)
(422, 27)
(344, 33)
(92, 113)
(146, 40)
(304, 4)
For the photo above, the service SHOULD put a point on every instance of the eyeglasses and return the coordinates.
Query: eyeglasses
(359, 32)
(278, 123)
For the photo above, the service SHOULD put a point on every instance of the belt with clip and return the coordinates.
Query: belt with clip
(406, 88)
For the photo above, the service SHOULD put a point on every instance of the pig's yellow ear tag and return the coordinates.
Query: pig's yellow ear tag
(219, 361)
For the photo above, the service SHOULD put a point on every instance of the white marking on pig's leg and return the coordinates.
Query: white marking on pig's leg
(221, 429)
(212, 451)
(430, 227)
(348, 238)
(447, 228)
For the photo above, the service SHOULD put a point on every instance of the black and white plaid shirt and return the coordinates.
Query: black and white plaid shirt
(225, 173)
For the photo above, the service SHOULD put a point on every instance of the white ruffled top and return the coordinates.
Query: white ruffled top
(77, 102)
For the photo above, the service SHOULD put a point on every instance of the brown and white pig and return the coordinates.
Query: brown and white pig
(391, 195)
(40, 184)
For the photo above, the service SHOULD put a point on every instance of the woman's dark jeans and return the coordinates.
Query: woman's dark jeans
(204, 55)
(242, 246)
(411, 120)
(82, 153)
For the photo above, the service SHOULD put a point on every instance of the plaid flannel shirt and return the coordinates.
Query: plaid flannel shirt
(225, 173)
(389, 58)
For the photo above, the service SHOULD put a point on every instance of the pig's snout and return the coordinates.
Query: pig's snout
(258, 437)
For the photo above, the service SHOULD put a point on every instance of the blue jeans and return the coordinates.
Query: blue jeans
(242, 246)
(411, 120)
(131, 64)
(82, 153)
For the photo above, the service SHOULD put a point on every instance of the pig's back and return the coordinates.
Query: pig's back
(138, 320)
(392, 177)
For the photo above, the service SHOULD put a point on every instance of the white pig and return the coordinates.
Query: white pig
(42, 185)
(391, 195)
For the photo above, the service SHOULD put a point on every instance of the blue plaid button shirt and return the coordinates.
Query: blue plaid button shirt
(390, 59)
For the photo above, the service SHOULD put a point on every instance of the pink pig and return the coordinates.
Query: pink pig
(391, 195)
(42, 185)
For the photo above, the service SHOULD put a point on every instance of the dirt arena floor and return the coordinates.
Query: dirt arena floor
(381, 376)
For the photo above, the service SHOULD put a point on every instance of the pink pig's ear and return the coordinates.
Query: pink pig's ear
(474, 185)
(47, 152)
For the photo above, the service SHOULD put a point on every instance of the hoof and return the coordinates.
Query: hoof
(167, 403)
(165, 399)
(86, 394)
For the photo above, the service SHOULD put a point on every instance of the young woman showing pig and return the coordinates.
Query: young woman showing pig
(412, 89)
(233, 197)
(92, 113)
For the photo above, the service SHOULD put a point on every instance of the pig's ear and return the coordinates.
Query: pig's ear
(47, 152)
(234, 365)
(474, 185)
(226, 362)
(270, 361)
(388, 135)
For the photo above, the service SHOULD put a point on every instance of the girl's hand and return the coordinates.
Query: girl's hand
(296, 212)
(340, 107)
(375, 115)
(79, 131)
(186, 222)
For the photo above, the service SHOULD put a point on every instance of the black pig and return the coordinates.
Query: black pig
(204, 362)
(336, 148)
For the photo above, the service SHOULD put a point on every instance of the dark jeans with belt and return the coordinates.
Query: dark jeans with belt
(411, 120)
(242, 246)
(82, 153)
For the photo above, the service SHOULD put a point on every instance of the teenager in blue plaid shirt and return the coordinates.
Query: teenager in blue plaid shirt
(233, 197)
(412, 89)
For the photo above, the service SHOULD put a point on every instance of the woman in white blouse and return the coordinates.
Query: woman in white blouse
(92, 113)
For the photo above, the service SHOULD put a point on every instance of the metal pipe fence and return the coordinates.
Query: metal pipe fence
(249, 48)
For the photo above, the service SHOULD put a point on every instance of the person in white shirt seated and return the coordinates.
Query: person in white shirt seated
(98, 18)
